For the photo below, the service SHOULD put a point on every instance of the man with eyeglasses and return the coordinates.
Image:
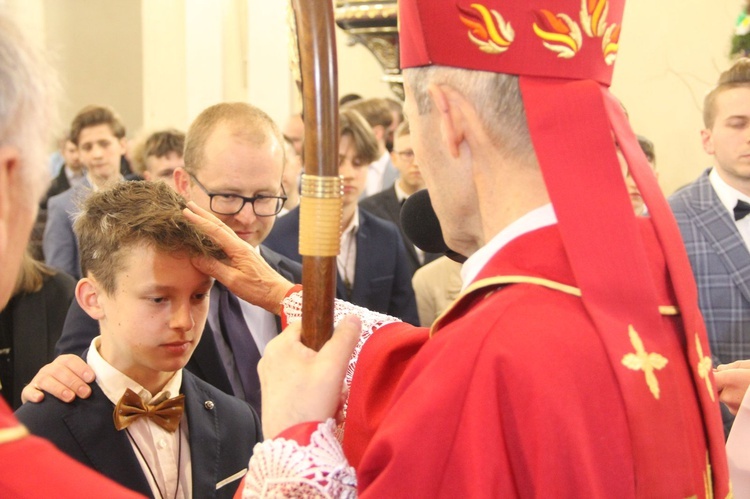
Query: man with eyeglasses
(387, 203)
(234, 159)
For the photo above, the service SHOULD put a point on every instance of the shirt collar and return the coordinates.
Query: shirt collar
(114, 383)
(353, 225)
(533, 220)
(728, 195)
(401, 195)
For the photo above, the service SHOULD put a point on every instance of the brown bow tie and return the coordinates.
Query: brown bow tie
(166, 414)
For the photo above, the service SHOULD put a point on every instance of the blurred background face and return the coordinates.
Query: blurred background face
(162, 168)
(410, 178)
(70, 155)
(352, 169)
(100, 152)
(292, 169)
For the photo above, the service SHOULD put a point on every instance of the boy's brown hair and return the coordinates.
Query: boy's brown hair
(736, 76)
(96, 115)
(129, 214)
(375, 111)
(353, 124)
(158, 144)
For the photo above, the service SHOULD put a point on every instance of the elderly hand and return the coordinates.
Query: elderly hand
(300, 385)
(732, 381)
(64, 378)
(246, 274)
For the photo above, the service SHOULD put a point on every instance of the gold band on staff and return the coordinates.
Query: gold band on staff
(320, 215)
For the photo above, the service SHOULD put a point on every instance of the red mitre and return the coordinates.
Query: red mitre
(553, 38)
(563, 52)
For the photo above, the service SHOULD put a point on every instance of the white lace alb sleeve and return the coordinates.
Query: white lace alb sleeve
(283, 468)
(371, 322)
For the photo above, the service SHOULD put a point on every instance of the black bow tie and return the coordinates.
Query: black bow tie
(741, 210)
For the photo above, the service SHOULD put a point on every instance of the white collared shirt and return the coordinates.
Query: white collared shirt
(729, 196)
(74, 178)
(375, 173)
(158, 451)
(533, 220)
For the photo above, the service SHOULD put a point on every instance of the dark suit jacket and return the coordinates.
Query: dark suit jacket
(382, 280)
(206, 363)
(221, 437)
(36, 322)
(385, 204)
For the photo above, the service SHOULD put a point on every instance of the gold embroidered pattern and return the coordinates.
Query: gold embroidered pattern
(559, 33)
(487, 29)
(641, 360)
(704, 367)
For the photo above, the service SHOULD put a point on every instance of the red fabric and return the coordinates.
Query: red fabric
(300, 433)
(515, 395)
(34, 468)
(468, 34)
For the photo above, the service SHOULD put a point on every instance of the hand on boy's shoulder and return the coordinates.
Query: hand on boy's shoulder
(65, 378)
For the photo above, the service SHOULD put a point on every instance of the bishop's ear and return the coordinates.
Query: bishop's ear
(88, 293)
(452, 111)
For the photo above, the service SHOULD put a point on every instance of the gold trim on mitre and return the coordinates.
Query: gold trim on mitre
(492, 282)
(13, 433)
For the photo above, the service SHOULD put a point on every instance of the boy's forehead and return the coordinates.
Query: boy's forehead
(95, 132)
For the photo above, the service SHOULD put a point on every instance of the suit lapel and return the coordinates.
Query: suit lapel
(716, 224)
(204, 438)
(109, 450)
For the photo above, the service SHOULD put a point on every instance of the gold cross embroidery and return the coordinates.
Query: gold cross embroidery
(641, 360)
(704, 366)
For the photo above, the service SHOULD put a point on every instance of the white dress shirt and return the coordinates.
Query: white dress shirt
(346, 261)
(375, 173)
(158, 451)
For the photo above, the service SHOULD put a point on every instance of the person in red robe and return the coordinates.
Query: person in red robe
(574, 363)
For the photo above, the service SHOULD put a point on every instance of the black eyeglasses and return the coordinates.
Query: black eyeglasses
(231, 204)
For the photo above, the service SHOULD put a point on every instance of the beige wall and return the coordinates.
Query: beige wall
(159, 62)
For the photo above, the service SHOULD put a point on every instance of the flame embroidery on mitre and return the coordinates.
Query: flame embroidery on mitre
(611, 43)
(559, 33)
(487, 30)
(593, 16)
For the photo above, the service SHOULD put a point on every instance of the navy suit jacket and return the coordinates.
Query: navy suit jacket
(385, 204)
(222, 437)
(721, 266)
(206, 363)
(382, 278)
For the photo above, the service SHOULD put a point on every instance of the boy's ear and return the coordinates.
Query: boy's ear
(182, 182)
(87, 294)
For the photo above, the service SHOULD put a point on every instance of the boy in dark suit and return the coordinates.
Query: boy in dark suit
(151, 305)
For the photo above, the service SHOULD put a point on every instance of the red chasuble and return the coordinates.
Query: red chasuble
(515, 395)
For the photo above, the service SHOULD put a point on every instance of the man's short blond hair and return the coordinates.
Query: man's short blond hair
(245, 121)
(130, 214)
(735, 77)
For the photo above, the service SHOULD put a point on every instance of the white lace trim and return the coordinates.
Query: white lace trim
(283, 468)
(371, 321)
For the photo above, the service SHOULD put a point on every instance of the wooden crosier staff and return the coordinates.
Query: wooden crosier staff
(320, 205)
